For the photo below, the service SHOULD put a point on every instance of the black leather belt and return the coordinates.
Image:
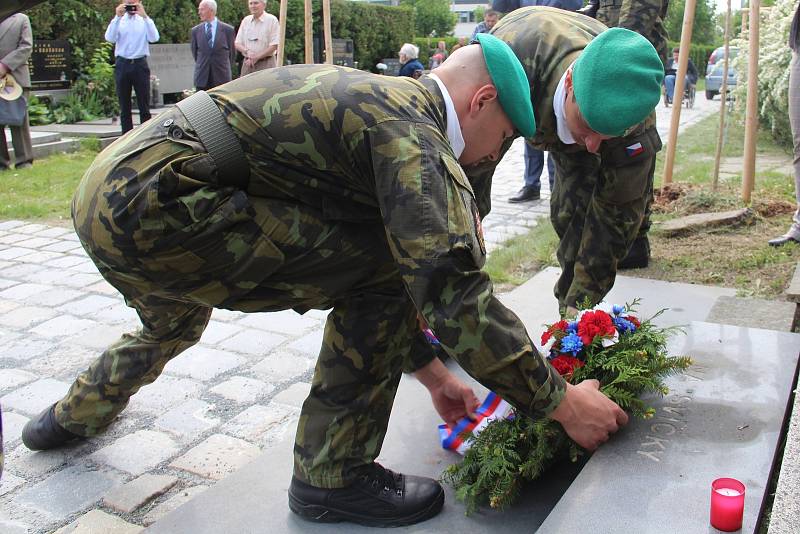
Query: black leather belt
(121, 59)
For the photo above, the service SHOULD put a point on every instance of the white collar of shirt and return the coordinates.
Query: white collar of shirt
(453, 126)
(558, 107)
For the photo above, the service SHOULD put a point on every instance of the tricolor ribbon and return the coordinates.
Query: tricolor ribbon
(457, 439)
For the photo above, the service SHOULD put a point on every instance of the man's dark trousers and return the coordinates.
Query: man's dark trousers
(132, 74)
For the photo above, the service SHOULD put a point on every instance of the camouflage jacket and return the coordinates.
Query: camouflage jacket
(373, 150)
(645, 17)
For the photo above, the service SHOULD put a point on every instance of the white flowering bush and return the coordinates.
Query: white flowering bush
(773, 69)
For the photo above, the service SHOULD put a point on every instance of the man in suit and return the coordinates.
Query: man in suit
(212, 47)
(16, 44)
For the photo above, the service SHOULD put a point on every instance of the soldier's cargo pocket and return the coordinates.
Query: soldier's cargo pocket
(627, 164)
(463, 218)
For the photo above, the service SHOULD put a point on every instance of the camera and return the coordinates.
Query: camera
(130, 8)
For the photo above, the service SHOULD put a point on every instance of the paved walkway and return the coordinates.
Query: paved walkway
(215, 407)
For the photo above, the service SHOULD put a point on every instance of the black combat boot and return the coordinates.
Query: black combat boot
(378, 498)
(638, 256)
(42, 432)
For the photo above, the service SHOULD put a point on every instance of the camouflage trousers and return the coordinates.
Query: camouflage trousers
(161, 229)
(597, 208)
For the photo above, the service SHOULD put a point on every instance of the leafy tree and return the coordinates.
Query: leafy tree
(432, 16)
(705, 29)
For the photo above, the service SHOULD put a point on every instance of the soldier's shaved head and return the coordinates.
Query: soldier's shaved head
(465, 68)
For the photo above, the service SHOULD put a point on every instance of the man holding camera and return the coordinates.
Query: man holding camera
(131, 31)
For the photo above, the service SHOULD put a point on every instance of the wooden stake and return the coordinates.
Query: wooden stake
(751, 112)
(326, 24)
(723, 105)
(680, 82)
(309, 32)
(282, 37)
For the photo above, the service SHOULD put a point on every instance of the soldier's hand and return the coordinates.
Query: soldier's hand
(587, 415)
(454, 400)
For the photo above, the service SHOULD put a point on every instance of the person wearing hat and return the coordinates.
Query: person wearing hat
(645, 17)
(316, 187)
(16, 44)
(592, 90)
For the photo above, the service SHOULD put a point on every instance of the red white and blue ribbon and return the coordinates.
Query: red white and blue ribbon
(456, 439)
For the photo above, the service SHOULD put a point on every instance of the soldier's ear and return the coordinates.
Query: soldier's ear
(483, 96)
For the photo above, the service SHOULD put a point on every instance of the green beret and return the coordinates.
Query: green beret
(617, 81)
(509, 79)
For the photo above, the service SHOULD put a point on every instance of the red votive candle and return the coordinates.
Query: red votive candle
(727, 504)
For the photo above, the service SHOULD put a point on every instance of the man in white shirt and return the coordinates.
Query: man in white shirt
(131, 31)
(258, 38)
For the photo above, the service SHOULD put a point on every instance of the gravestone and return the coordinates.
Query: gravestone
(173, 67)
(392, 66)
(49, 64)
(722, 418)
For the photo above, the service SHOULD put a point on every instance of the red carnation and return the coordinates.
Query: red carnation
(593, 324)
(634, 320)
(552, 329)
(565, 365)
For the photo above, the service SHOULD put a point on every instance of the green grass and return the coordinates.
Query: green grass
(45, 190)
(513, 262)
(694, 157)
(735, 257)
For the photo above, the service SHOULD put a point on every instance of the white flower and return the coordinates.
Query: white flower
(606, 307)
(547, 347)
(608, 341)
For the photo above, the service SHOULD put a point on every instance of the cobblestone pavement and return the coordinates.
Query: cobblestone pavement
(215, 407)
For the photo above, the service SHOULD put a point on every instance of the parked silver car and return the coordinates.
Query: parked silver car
(714, 71)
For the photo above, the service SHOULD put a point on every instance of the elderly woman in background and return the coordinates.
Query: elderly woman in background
(409, 64)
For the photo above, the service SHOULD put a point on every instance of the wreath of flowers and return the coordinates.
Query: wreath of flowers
(607, 342)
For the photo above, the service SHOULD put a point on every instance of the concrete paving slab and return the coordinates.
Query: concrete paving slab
(753, 313)
(535, 304)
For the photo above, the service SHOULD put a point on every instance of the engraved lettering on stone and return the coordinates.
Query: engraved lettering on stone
(663, 428)
(650, 455)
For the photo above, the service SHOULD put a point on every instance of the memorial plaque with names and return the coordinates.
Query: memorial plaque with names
(173, 65)
(343, 52)
(392, 66)
(49, 64)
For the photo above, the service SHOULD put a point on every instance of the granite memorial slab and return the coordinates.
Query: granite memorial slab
(723, 418)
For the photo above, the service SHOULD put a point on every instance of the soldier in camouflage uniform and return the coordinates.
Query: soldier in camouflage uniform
(645, 17)
(355, 201)
(599, 199)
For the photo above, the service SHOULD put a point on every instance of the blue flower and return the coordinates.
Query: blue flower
(618, 309)
(572, 327)
(572, 343)
(624, 326)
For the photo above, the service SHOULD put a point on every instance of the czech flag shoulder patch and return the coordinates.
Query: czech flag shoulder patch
(634, 149)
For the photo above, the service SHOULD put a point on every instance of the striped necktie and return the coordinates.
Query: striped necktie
(209, 36)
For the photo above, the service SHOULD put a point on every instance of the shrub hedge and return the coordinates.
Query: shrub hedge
(698, 53)
(377, 31)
